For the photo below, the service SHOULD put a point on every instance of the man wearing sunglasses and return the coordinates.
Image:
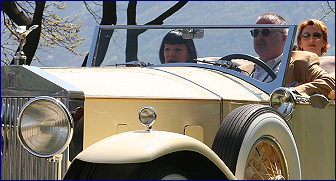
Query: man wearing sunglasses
(269, 45)
(304, 74)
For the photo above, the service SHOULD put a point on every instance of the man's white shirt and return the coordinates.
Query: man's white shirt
(261, 75)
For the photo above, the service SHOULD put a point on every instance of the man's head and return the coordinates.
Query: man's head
(175, 49)
(269, 43)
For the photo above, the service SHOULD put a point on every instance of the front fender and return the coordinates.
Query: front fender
(144, 146)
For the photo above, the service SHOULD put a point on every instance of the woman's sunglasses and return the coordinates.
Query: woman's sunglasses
(315, 35)
(265, 32)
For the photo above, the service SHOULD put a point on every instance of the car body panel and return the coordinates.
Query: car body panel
(314, 133)
(190, 89)
(112, 114)
(182, 83)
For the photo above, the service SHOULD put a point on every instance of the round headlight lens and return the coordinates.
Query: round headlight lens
(283, 101)
(45, 126)
(147, 116)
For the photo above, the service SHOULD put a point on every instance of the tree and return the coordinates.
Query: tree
(326, 10)
(57, 31)
(10, 8)
(109, 17)
(53, 30)
(132, 35)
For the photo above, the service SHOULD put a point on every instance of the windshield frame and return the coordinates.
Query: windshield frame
(265, 87)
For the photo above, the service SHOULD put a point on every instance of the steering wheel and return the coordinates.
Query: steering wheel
(251, 59)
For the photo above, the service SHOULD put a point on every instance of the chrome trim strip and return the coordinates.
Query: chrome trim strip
(287, 53)
(110, 27)
(94, 44)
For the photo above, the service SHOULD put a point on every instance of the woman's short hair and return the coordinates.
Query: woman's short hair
(175, 37)
(316, 23)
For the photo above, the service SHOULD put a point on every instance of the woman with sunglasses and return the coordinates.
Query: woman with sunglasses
(313, 37)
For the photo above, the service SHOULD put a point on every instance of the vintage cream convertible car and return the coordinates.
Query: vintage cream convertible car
(126, 116)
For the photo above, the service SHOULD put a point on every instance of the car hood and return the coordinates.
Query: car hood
(158, 83)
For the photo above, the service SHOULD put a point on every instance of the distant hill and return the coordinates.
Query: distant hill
(193, 13)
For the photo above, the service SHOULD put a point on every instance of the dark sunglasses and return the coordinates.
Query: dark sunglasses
(264, 32)
(315, 35)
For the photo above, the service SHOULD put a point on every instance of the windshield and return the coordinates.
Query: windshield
(213, 44)
(227, 47)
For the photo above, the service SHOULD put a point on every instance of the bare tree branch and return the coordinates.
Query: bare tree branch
(109, 18)
(109, 13)
(131, 13)
(331, 8)
(159, 20)
(10, 8)
(132, 35)
(6, 24)
(95, 16)
(25, 9)
(328, 11)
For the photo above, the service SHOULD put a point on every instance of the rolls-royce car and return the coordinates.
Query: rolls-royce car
(130, 113)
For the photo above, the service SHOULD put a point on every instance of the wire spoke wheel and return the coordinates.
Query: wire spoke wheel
(256, 143)
(265, 161)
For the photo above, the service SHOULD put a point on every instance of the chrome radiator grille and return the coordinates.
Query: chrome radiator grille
(16, 162)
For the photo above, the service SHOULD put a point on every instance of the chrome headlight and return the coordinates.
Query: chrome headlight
(147, 116)
(45, 126)
(283, 101)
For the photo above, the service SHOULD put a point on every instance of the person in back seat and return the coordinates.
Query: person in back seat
(313, 37)
(304, 73)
